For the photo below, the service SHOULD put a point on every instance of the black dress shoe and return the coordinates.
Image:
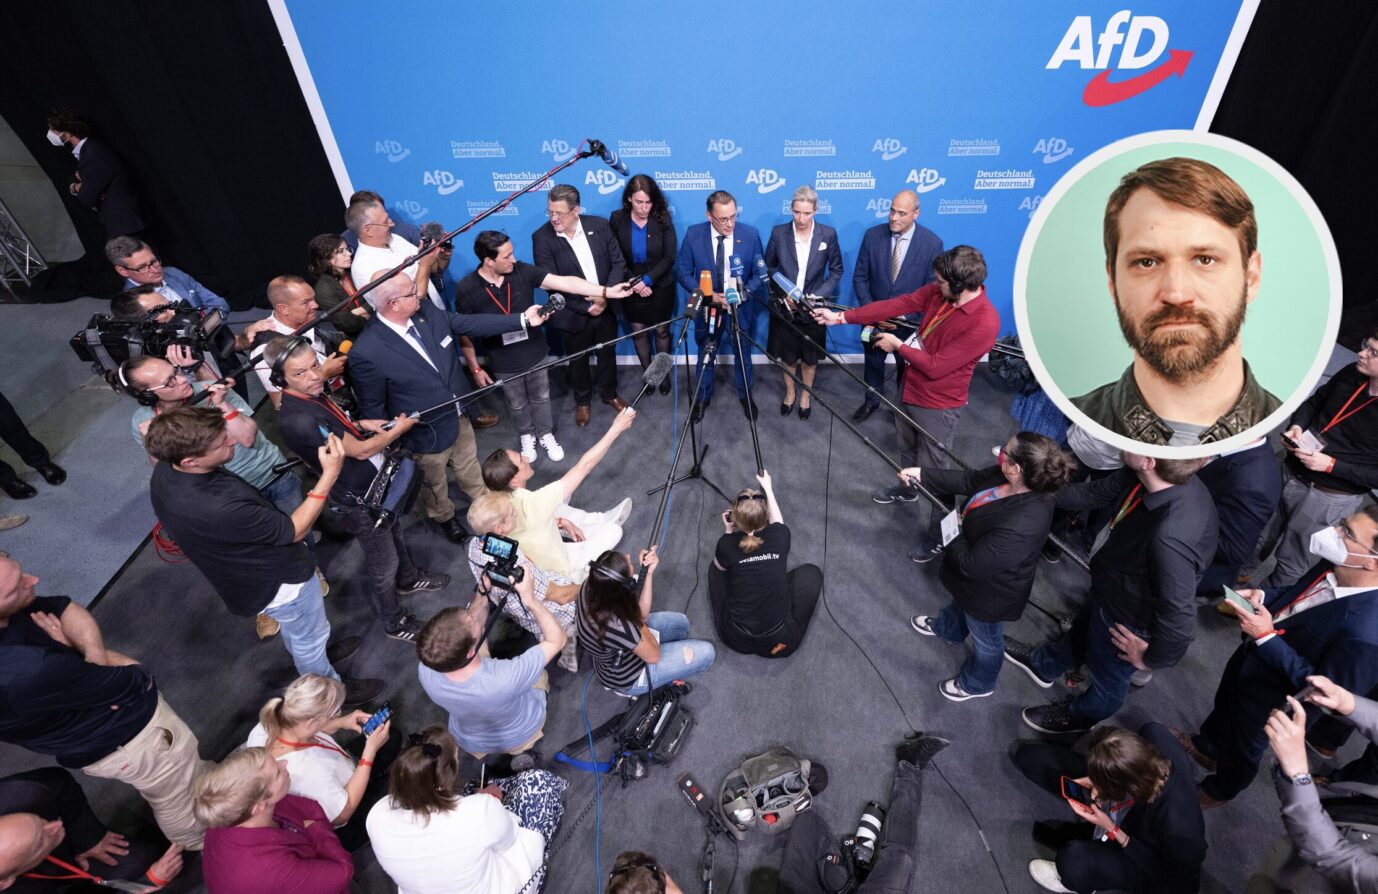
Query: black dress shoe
(51, 472)
(360, 692)
(17, 489)
(805, 412)
(864, 412)
(697, 416)
(454, 531)
(666, 384)
(749, 408)
(343, 650)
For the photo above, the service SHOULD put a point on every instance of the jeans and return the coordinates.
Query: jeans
(284, 492)
(673, 627)
(305, 631)
(528, 400)
(726, 345)
(1089, 641)
(387, 561)
(982, 667)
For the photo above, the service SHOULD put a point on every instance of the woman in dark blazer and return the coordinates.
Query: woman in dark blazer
(798, 346)
(329, 264)
(989, 569)
(646, 235)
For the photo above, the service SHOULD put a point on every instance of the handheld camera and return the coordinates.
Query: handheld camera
(503, 571)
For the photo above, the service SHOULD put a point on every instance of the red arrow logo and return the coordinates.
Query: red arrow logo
(1103, 92)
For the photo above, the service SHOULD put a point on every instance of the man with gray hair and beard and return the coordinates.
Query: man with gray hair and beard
(1181, 254)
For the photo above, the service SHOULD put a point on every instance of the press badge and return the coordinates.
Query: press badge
(514, 337)
(446, 342)
(951, 527)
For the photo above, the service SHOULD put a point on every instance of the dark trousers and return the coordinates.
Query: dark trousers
(805, 868)
(1330, 733)
(1084, 866)
(354, 834)
(917, 450)
(803, 587)
(1089, 641)
(726, 345)
(1233, 733)
(387, 561)
(873, 373)
(599, 329)
(14, 433)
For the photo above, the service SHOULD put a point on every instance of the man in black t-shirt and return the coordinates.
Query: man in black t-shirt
(308, 419)
(63, 693)
(502, 285)
(251, 551)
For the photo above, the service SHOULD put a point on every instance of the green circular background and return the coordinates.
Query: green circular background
(1072, 315)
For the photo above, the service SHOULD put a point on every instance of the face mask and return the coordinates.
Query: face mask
(1329, 544)
(54, 138)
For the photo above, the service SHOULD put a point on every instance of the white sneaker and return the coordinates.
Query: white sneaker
(552, 447)
(1045, 873)
(619, 514)
(528, 450)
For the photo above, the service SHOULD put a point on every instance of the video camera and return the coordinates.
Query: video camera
(503, 571)
(106, 342)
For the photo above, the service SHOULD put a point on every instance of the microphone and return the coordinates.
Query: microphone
(344, 347)
(761, 269)
(733, 297)
(696, 300)
(555, 302)
(608, 156)
(660, 367)
(706, 284)
(431, 231)
(792, 292)
(738, 271)
(712, 320)
(391, 423)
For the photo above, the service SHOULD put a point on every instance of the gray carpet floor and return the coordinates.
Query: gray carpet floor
(861, 680)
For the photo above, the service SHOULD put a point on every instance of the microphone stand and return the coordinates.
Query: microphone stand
(902, 323)
(750, 417)
(427, 250)
(695, 471)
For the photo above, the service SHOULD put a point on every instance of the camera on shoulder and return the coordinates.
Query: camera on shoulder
(106, 342)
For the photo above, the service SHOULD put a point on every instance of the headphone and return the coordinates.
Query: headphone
(639, 861)
(276, 377)
(145, 397)
(611, 574)
(942, 264)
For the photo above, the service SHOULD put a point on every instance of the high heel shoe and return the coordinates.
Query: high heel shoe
(666, 384)
(786, 409)
(805, 412)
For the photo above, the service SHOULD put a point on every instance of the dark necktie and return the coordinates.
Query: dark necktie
(411, 330)
(718, 264)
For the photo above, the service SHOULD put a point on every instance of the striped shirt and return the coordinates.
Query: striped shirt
(612, 657)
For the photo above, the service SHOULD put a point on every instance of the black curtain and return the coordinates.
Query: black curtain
(1302, 93)
(201, 102)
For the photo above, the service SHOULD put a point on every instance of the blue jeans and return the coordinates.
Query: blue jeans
(673, 627)
(1089, 641)
(982, 667)
(285, 493)
(305, 631)
(726, 345)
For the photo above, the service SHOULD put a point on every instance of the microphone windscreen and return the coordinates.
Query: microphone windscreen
(345, 346)
(660, 367)
(432, 230)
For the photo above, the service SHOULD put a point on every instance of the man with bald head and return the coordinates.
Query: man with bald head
(45, 817)
(294, 305)
(64, 693)
(894, 259)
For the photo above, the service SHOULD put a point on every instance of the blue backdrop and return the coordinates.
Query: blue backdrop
(445, 107)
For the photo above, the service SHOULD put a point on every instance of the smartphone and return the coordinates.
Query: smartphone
(1305, 694)
(325, 432)
(1288, 442)
(1074, 791)
(1239, 602)
(383, 715)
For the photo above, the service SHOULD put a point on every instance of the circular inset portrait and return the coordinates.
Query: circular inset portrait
(1177, 294)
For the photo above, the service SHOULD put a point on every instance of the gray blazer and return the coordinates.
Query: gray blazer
(1318, 841)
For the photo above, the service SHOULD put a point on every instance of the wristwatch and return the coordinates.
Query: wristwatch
(1298, 780)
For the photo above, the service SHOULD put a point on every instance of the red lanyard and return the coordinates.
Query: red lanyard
(334, 411)
(938, 318)
(508, 308)
(332, 747)
(1305, 593)
(1130, 503)
(986, 496)
(1341, 416)
(77, 872)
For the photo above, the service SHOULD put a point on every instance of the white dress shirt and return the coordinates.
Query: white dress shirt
(802, 245)
(369, 259)
(579, 241)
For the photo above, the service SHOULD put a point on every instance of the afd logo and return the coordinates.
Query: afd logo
(605, 179)
(394, 150)
(443, 181)
(558, 150)
(766, 180)
(413, 209)
(880, 207)
(925, 179)
(889, 148)
(1089, 50)
(726, 149)
(1030, 204)
(1053, 149)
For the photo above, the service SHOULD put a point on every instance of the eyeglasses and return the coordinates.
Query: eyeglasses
(387, 222)
(726, 220)
(144, 268)
(559, 215)
(172, 382)
(1368, 351)
(1349, 535)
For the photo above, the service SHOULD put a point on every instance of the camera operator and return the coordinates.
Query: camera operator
(308, 417)
(135, 261)
(760, 607)
(141, 304)
(495, 704)
(493, 513)
(1146, 832)
(294, 305)
(633, 648)
(250, 550)
(989, 569)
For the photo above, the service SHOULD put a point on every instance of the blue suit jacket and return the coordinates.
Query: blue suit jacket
(389, 377)
(192, 292)
(696, 253)
(871, 280)
(1246, 487)
(823, 276)
(1338, 639)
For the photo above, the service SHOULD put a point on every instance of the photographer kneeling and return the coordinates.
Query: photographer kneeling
(760, 608)
(634, 649)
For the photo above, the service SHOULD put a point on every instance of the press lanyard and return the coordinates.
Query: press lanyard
(1305, 593)
(76, 871)
(981, 499)
(508, 308)
(335, 411)
(1130, 503)
(938, 318)
(335, 748)
(1341, 416)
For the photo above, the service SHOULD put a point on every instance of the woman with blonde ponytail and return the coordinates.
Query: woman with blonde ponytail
(760, 607)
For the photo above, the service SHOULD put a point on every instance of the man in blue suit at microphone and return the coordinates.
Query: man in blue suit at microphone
(712, 246)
